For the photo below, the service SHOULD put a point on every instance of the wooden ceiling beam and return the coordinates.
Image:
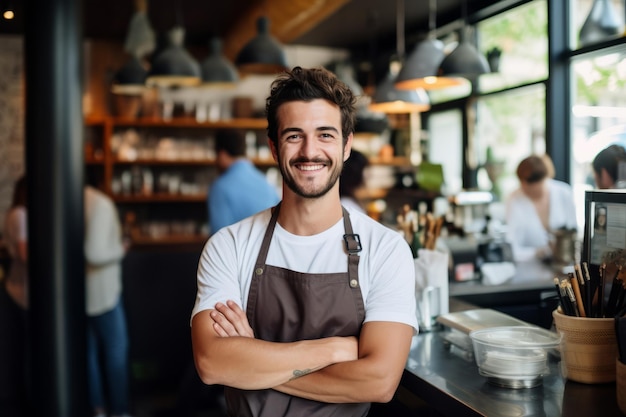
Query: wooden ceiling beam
(289, 19)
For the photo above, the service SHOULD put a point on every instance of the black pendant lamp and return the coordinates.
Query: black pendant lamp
(465, 60)
(131, 78)
(367, 121)
(420, 69)
(263, 54)
(174, 66)
(602, 23)
(389, 99)
(216, 69)
(140, 41)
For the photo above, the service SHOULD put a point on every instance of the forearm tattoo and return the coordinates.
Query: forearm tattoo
(298, 373)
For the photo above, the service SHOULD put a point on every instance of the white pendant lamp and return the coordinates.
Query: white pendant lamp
(420, 69)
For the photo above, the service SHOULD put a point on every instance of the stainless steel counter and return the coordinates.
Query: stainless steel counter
(528, 276)
(528, 295)
(451, 385)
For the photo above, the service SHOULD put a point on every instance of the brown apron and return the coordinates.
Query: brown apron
(286, 306)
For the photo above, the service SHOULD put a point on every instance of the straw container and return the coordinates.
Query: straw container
(588, 348)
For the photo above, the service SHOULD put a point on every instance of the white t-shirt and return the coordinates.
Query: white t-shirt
(386, 267)
(104, 251)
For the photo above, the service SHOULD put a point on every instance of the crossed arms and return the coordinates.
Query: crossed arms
(333, 369)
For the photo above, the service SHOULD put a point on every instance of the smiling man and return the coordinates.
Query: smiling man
(305, 309)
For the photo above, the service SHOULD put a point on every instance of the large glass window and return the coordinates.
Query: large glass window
(509, 126)
(443, 147)
(516, 44)
(598, 112)
(593, 21)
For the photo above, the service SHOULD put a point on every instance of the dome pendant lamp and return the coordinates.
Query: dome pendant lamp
(140, 41)
(263, 54)
(387, 98)
(390, 100)
(465, 61)
(601, 24)
(131, 78)
(422, 65)
(174, 66)
(216, 69)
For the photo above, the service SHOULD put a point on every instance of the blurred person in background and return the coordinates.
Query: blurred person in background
(241, 190)
(606, 166)
(107, 335)
(540, 206)
(352, 179)
(14, 308)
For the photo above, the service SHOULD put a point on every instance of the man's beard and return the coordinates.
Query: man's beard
(315, 193)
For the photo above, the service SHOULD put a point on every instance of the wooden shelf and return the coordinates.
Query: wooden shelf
(200, 162)
(157, 161)
(94, 161)
(142, 240)
(191, 122)
(396, 161)
(160, 198)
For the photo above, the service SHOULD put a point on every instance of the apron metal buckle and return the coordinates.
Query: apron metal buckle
(353, 243)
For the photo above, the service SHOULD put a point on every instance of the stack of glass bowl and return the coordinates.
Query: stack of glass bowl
(513, 356)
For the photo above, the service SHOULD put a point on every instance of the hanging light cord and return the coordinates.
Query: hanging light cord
(432, 15)
(400, 29)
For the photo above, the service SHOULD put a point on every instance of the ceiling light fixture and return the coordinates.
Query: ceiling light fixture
(8, 14)
(387, 98)
(391, 100)
(174, 66)
(140, 41)
(263, 54)
(465, 60)
(216, 69)
(422, 65)
(602, 23)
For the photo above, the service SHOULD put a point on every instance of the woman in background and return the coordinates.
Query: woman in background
(13, 309)
(539, 207)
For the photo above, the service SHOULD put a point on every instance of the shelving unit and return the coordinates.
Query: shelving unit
(173, 162)
(161, 196)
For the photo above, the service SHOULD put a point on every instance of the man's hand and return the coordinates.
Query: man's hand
(231, 320)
